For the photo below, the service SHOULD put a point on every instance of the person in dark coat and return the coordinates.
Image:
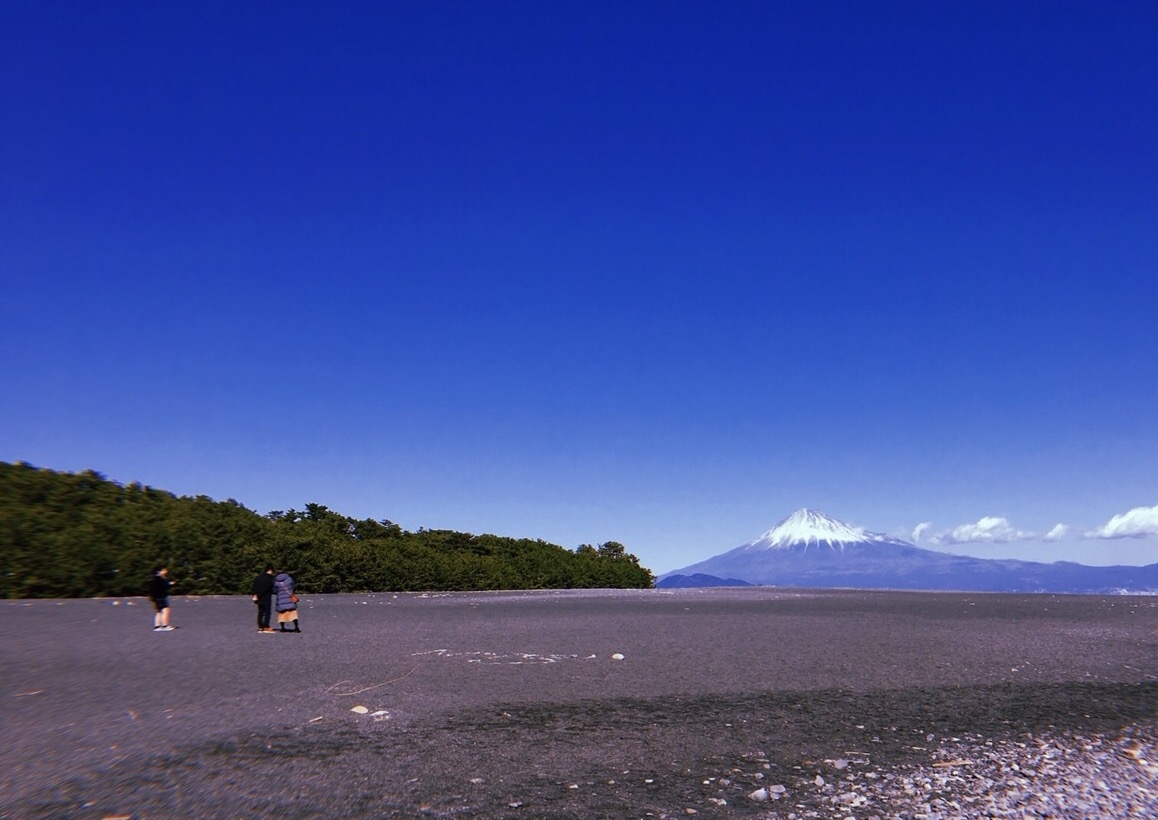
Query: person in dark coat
(159, 594)
(287, 602)
(262, 591)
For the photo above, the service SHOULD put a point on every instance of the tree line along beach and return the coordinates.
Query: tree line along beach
(80, 535)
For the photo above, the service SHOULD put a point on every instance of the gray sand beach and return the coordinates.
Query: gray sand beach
(758, 702)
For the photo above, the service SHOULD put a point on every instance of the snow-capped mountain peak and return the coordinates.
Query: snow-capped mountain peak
(812, 528)
(811, 549)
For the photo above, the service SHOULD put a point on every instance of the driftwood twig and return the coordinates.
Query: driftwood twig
(365, 688)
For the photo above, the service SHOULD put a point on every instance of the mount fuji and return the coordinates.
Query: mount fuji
(811, 549)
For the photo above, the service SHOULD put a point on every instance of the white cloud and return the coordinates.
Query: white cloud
(920, 530)
(990, 529)
(1058, 532)
(1136, 523)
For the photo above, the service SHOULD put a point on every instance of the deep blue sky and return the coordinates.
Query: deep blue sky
(658, 273)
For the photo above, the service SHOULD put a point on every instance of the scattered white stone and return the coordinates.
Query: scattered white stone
(819, 781)
(361, 710)
(759, 796)
(618, 656)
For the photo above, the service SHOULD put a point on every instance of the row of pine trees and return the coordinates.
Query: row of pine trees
(80, 535)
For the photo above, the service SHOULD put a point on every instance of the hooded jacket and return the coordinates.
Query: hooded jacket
(284, 584)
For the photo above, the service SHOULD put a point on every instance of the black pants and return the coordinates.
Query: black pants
(264, 606)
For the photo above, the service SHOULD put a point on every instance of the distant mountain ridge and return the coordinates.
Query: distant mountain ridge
(698, 580)
(812, 549)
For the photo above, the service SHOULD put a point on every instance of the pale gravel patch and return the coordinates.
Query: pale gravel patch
(1049, 775)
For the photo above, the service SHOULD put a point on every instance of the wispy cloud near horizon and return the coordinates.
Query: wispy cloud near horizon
(1138, 522)
(989, 529)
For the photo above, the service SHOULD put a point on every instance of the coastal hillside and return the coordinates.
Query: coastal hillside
(79, 535)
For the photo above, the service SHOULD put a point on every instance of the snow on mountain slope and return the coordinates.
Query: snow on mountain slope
(807, 528)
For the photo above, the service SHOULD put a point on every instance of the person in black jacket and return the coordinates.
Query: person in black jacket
(159, 594)
(262, 591)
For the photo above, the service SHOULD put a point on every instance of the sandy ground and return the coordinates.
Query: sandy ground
(515, 704)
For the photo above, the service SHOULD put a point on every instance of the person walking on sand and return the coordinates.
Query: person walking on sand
(287, 602)
(262, 591)
(159, 594)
